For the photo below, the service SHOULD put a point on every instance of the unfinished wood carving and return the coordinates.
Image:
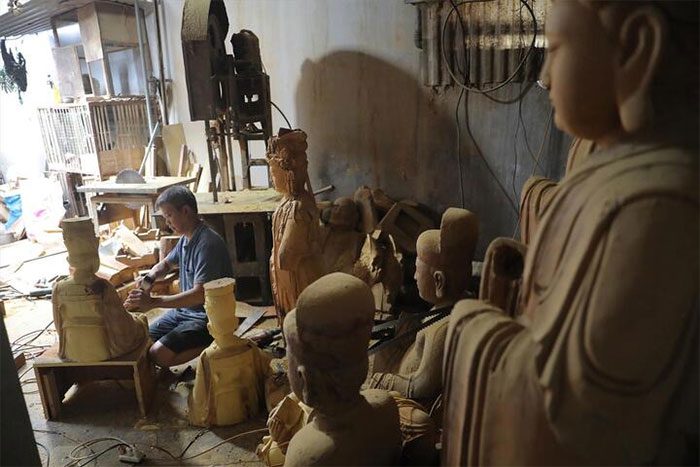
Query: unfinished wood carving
(327, 337)
(602, 367)
(339, 236)
(90, 319)
(443, 269)
(296, 260)
(229, 386)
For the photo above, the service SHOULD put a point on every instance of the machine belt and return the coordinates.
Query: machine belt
(434, 317)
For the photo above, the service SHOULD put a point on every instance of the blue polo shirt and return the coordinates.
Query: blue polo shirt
(201, 259)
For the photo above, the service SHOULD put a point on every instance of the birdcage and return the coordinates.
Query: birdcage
(96, 138)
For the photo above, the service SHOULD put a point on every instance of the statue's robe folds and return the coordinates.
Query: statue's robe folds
(92, 324)
(602, 368)
(296, 260)
(229, 386)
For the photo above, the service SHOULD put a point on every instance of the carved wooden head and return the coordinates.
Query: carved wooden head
(443, 264)
(620, 70)
(328, 334)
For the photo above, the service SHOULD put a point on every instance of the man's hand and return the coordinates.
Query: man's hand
(140, 299)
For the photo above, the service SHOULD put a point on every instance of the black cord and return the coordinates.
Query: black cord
(289, 125)
(48, 453)
(515, 73)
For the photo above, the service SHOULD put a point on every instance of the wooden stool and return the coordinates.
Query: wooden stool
(55, 376)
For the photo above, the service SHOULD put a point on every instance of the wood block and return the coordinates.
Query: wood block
(138, 262)
(115, 272)
(131, 243)
(146, 235)
(20, 360)
(381, 200)
(167, 243)
(405, 223)
(368, 211)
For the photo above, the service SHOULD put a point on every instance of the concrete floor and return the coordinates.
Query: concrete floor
(109, 409)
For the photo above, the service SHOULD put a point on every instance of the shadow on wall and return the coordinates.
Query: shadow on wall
(371, 123)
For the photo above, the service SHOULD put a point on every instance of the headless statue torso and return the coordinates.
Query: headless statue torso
(89, 316)
(443, 269)
(228, 388)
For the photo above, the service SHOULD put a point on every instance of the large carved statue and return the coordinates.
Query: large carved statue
(443, 270)
(90, 319)
(602, 366)
(327, 337)
(229, 386)
(296, 260)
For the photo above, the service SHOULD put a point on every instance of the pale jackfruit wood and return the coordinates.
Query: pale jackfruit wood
(296, 261)
(602, 365)
(89, 316)
(327, 337)
(229, 386)
(443, 269)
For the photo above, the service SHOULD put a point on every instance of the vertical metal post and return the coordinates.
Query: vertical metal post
(139, 33)
(212, 161)
(163, 96)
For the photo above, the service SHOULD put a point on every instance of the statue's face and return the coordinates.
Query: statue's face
(580, 71)
(425, 281)
(279, 178)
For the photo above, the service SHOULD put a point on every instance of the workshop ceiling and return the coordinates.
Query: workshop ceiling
(33, 16)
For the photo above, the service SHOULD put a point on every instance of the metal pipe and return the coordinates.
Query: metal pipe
(212, 161)
(139, 33)
(163, 97)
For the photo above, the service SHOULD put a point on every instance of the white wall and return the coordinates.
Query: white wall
(21, 147)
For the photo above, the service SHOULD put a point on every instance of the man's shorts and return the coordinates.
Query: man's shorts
(179, 332)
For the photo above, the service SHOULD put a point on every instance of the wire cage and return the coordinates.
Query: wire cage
(96, 138)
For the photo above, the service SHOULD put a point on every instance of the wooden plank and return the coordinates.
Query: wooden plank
(153, 185)
(182, 161)
(173, 140)
(238, 202)
(50, 359)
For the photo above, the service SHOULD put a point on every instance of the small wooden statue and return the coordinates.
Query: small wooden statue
(296, 260)
(90, 319)
(327, 337)
(443, 270)
(601, 368)
(229, 386)
(341, 240)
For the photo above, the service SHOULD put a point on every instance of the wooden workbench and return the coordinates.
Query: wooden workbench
(242, 218)
(133, 194)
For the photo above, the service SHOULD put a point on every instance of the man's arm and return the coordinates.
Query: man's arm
(156, 272)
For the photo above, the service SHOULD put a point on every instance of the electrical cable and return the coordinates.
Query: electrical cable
(260, 430)
(48, 453)
(515, 73)
(289, 125)
(545, 137)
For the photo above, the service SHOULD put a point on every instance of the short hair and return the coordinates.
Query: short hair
(177, 196)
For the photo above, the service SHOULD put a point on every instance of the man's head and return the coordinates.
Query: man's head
(286, 155)
(616, 67)
(443, 262)
(328, 333)
(179, 208)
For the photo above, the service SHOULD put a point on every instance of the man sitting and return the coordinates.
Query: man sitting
(201, 254)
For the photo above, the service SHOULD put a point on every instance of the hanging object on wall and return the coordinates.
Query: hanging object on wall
(480, 44)
(13, 75)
